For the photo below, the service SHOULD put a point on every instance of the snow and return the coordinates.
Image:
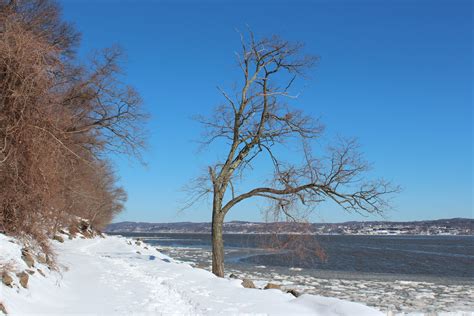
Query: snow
(113, 275)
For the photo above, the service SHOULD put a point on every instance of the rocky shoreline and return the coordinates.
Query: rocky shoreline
(394, 295)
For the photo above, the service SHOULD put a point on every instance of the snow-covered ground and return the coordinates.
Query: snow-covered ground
(397, 293)
(113, 275)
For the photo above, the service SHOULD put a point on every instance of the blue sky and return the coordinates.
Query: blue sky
(395, 74)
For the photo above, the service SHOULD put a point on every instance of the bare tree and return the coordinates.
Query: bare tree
(254, 122)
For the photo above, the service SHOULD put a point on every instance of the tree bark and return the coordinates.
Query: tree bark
(217, 242)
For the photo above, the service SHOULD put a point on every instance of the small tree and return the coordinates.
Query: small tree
(254, 122)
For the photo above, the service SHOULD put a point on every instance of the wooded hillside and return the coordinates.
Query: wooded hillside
(60, 119)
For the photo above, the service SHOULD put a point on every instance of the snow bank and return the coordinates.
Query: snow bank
(114, 275)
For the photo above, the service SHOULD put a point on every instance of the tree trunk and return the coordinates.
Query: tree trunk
(217, 243)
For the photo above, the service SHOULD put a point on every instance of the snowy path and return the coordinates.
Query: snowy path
(121, 281)
(108, 276)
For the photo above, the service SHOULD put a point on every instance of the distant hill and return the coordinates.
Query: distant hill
(453, 226)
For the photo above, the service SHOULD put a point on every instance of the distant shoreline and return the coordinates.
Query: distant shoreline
(441, 227)
(234, 233)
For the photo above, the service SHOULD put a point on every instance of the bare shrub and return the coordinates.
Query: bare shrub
(58, 121)
(300, 244)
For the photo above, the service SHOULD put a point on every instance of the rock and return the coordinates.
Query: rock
(23, 276)
(3, 309)
(43, 259)
(294, 292)
(41, 272)
(30, 272)
(83, 225)
(233, 276)
(145, 248)
(27, 257)
(62, 231)
(7, 279)
(138, 242)
(58, 238)
(138, 252)
(247, 283)
(270, 286)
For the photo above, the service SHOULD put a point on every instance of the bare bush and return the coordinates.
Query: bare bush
(58, 122)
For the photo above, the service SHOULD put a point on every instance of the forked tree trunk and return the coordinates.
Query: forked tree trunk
(217, 243)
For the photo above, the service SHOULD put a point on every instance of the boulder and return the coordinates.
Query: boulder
(7, 279)
(3, 309)
(58, 238)
(294, 292)
(62, 231)
(24, 277)
(83, 225)
(27, 257)
(270, 286)
(247, 283)
(43, 259)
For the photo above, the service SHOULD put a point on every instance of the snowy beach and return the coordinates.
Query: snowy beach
(386, 292)
(114, 275)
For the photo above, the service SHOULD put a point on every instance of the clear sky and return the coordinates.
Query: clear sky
(395, 74)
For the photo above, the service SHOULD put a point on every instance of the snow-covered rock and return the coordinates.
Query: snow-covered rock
(108, 276)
